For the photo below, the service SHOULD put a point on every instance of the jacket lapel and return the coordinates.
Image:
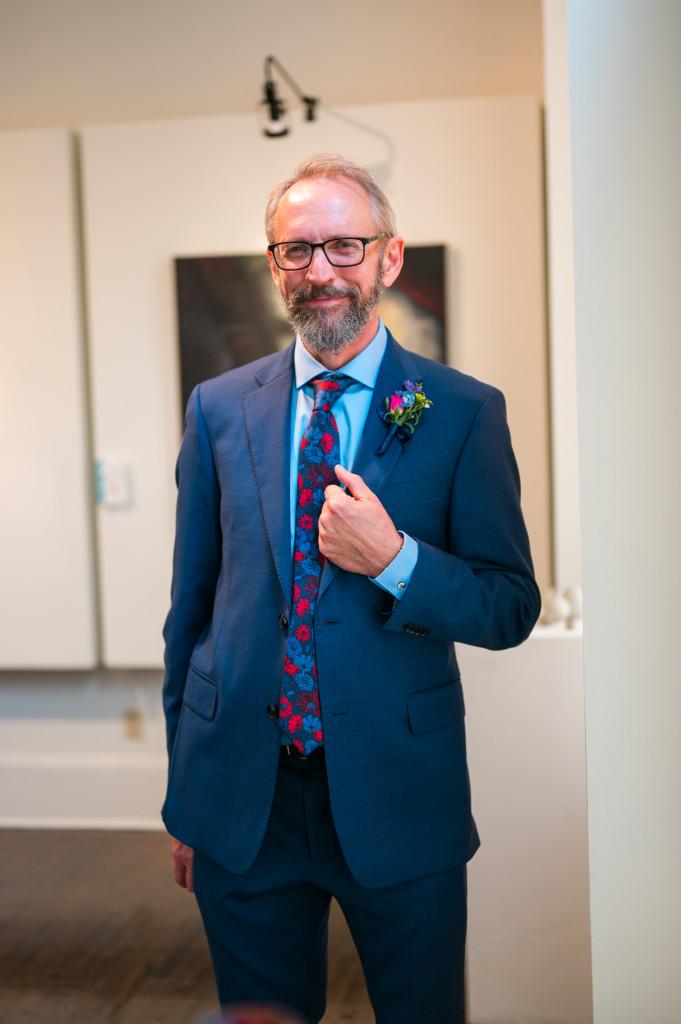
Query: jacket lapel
(375, 470)
(267, 418)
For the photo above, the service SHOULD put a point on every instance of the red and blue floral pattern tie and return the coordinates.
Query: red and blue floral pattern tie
(300, 711)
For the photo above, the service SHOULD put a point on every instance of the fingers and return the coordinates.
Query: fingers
(183, 865)
(353, 482)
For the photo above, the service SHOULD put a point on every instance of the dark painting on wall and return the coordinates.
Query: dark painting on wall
(229, 311)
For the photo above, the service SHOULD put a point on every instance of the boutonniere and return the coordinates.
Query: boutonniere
(402, 412)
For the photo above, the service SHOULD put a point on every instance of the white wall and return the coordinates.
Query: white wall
(65, 758)
(48, 606)
(528, 936)
(626, 145)
(466, 173)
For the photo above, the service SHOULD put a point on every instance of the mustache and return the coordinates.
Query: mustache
(313, 291)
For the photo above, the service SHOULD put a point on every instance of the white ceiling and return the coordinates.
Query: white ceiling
(71, 62)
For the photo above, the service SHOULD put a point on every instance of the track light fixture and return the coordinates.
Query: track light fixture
(276, 117)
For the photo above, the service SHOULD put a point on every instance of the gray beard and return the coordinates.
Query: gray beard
(322, 330)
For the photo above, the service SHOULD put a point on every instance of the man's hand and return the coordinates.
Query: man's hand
(355, 531)
(183, 865)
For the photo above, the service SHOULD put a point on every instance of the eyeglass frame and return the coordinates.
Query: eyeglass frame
(321, 245)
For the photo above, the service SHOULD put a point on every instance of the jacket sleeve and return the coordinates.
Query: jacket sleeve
(481, 589)
(196, 560)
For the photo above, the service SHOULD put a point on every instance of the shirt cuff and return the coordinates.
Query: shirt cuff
(395, 577)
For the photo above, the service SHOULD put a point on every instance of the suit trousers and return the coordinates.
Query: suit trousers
(267, 927)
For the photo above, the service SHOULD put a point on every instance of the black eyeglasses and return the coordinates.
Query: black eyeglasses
(340, 252)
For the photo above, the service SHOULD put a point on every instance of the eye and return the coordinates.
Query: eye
(345, 245)
(294, 250)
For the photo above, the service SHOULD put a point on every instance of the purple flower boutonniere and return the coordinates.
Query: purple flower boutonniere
(402, 412)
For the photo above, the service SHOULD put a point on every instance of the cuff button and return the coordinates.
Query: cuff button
(411, 627)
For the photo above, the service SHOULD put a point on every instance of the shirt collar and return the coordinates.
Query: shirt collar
(363, 368)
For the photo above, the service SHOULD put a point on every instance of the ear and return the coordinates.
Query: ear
(274, 269)
(393, 258)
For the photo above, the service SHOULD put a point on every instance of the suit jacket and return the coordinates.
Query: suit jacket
(389, 684)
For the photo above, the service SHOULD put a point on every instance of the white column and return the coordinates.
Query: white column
(625, 97)
(567, 564)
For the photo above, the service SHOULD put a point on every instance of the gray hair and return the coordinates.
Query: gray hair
(332, 165)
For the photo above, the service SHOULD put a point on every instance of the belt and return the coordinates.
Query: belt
(288, 750)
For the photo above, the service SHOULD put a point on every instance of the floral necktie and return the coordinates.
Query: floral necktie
(299, 711)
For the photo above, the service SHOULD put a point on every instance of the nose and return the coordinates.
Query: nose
(320, 270)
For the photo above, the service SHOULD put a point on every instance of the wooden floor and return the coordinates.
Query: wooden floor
(93, 930)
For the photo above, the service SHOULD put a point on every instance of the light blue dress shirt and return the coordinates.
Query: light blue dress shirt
(350, 411)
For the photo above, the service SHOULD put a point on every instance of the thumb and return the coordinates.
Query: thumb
(353, 482)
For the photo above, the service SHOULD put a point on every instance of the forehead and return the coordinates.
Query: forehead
(319, 208)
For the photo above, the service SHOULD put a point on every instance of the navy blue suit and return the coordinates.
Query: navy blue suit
(389, 683)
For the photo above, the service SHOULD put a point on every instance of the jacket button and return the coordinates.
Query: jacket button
(273, 710)
(415, 630)
(283, 621)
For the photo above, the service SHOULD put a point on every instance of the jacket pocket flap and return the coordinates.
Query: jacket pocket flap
(200, 694)
(425, 489)
(435, 709)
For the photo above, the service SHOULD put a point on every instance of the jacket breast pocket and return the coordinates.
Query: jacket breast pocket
(435, 709)
(412, 491)
(200, 694)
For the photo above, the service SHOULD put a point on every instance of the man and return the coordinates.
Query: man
(313, 701)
